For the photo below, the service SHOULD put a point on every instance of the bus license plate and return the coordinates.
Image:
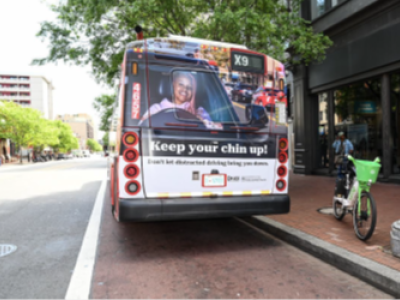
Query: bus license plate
(214, 180)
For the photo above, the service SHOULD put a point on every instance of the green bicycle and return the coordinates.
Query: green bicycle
(352, 194)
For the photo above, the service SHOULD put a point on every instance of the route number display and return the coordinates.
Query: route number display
(246, 62)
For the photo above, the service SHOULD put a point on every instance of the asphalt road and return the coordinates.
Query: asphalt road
(221, 258)
(44, 211)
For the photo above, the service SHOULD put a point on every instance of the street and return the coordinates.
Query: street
(45, 209)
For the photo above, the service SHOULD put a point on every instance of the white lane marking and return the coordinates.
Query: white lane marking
(79, 286)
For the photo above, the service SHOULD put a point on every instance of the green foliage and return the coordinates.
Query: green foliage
(94, 145)
(95, 32)
(104, 105)
(105, 139)
(21, 125)
(26, 127)
(66, 139)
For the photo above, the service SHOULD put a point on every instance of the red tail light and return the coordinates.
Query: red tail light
(282, 157)
(282, 171)
(132, 187)
(283, 144)
(281, 185)
(131, 171)
(131, 155)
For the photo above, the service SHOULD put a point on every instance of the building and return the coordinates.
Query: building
(356, 89)
(82, 125)
(28, 91)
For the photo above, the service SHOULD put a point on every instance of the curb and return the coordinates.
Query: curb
(379, 276)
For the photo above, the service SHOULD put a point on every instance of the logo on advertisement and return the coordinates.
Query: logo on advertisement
(136, 100)
(253, 178)
(233, 178)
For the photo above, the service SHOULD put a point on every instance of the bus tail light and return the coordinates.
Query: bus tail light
(282, 157)
(282, 171)
(131, 155)
(283, 144)
(131, 171)
(130, 139)
(132, 187)
(281, 185)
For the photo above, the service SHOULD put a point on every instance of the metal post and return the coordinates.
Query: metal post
(331, 129)
(386, 149)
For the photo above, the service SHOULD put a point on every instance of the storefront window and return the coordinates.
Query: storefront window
(323, 131)
(395, 121)
(358, 113)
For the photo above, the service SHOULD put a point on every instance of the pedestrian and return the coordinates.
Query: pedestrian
(342, 147)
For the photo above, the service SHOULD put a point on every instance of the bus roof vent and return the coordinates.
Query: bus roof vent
(204, 41)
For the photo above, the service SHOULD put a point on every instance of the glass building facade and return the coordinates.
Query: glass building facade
(355, 90)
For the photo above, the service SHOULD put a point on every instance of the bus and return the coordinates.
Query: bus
(184, 148)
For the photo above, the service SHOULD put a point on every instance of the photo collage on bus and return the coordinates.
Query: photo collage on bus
(213, 93)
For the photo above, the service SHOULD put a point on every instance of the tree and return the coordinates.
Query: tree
(92, 32)
(93, 145)
(21, 125)
(66, 139)
(105, 106)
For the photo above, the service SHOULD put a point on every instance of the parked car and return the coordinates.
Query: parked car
(86, 153)
(243, 92)
(77, 153)
(69, 156)
(61, 156)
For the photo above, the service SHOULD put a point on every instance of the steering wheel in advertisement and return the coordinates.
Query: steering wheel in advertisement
(173, 116)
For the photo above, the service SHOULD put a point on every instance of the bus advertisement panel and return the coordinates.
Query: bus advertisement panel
(190, 147)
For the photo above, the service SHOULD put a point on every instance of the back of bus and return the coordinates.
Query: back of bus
(187, 150)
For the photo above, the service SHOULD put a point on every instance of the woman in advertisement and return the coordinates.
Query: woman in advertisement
(184, 91)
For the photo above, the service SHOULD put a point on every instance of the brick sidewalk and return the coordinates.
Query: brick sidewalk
(309, 193)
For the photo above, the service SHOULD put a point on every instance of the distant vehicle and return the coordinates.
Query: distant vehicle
(69, 156)
(61, 156)
(243, 92)
(86, 153)
(77, 153)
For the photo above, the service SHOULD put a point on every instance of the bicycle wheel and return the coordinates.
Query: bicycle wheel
(338, 210)
(364, 221)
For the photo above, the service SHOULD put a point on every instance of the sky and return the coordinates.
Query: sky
(75, 87)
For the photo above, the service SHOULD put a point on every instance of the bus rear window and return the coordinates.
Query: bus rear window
(190, 96)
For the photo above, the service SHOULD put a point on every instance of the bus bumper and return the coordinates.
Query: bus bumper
(201, 208)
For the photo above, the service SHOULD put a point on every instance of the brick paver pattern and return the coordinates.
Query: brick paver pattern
(309, 193)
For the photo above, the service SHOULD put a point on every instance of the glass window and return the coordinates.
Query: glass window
(395, 121)
(317, 8)
(323, 132)
(202, 98)
(358, 114)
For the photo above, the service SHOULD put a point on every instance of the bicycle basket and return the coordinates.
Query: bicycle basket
(367, 170)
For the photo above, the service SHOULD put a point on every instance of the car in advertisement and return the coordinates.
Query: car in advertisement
(268, 98)
(243, 92)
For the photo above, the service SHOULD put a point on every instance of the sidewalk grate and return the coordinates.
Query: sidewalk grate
(6, 249)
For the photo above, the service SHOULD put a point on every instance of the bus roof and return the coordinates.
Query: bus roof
(187, 39)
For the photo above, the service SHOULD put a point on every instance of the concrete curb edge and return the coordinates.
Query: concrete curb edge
(379, 276)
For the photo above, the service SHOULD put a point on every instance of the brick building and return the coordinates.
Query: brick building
(82, 126)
